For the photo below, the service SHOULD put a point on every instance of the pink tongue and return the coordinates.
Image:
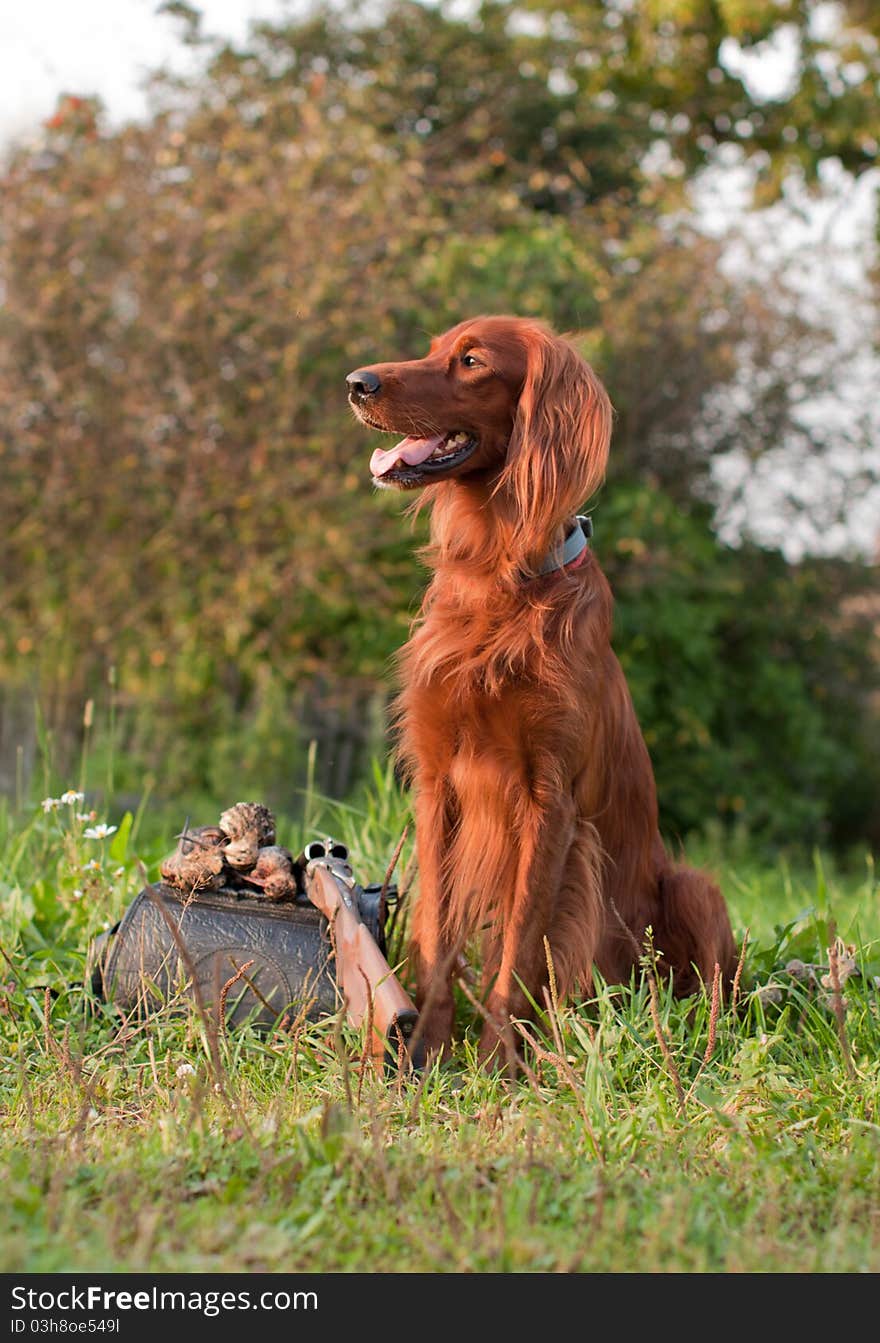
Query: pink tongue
(409, 450)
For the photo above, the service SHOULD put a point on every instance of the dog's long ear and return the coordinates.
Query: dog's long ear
(559, 447)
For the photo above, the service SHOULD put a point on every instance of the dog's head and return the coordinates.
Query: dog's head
(498, 398)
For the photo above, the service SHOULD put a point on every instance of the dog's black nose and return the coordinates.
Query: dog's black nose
(363, 383)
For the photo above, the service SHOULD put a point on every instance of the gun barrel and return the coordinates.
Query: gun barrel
(366, 979)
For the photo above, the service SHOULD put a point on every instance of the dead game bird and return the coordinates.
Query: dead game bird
(248, 827)
(198, 862)
(274, 873)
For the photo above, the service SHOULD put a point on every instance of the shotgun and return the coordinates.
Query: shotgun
(365, 978)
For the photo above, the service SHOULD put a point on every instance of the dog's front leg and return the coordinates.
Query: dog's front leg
(430, 950)
(545, 843)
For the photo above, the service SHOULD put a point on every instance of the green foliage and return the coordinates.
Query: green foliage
(753, 678)
(186, 501)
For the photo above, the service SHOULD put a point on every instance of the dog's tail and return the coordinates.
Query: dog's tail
(693, 932)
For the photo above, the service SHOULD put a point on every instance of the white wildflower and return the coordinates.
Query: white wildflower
(184, 1070)
(99, 831)
(50, 804)
(93, 865)
(70, 797)
(77, 893)
(86, 815)
(119, 872)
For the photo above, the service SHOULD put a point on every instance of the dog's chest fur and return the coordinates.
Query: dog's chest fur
(473, 712)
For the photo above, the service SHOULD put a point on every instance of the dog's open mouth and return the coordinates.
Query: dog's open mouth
(416, 456)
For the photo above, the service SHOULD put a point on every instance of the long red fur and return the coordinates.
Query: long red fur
(536, 810)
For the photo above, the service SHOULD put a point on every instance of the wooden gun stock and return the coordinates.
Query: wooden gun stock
(365, 978)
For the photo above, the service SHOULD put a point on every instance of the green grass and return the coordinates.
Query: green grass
(126, 1148)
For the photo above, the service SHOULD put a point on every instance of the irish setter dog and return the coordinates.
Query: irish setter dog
(535, 804)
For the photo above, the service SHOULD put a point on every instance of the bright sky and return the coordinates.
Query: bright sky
(108, 47)
(99, 46)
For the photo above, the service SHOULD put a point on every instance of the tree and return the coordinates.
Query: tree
(185, 494)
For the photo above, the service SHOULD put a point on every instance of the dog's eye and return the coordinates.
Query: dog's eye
(470, 361)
